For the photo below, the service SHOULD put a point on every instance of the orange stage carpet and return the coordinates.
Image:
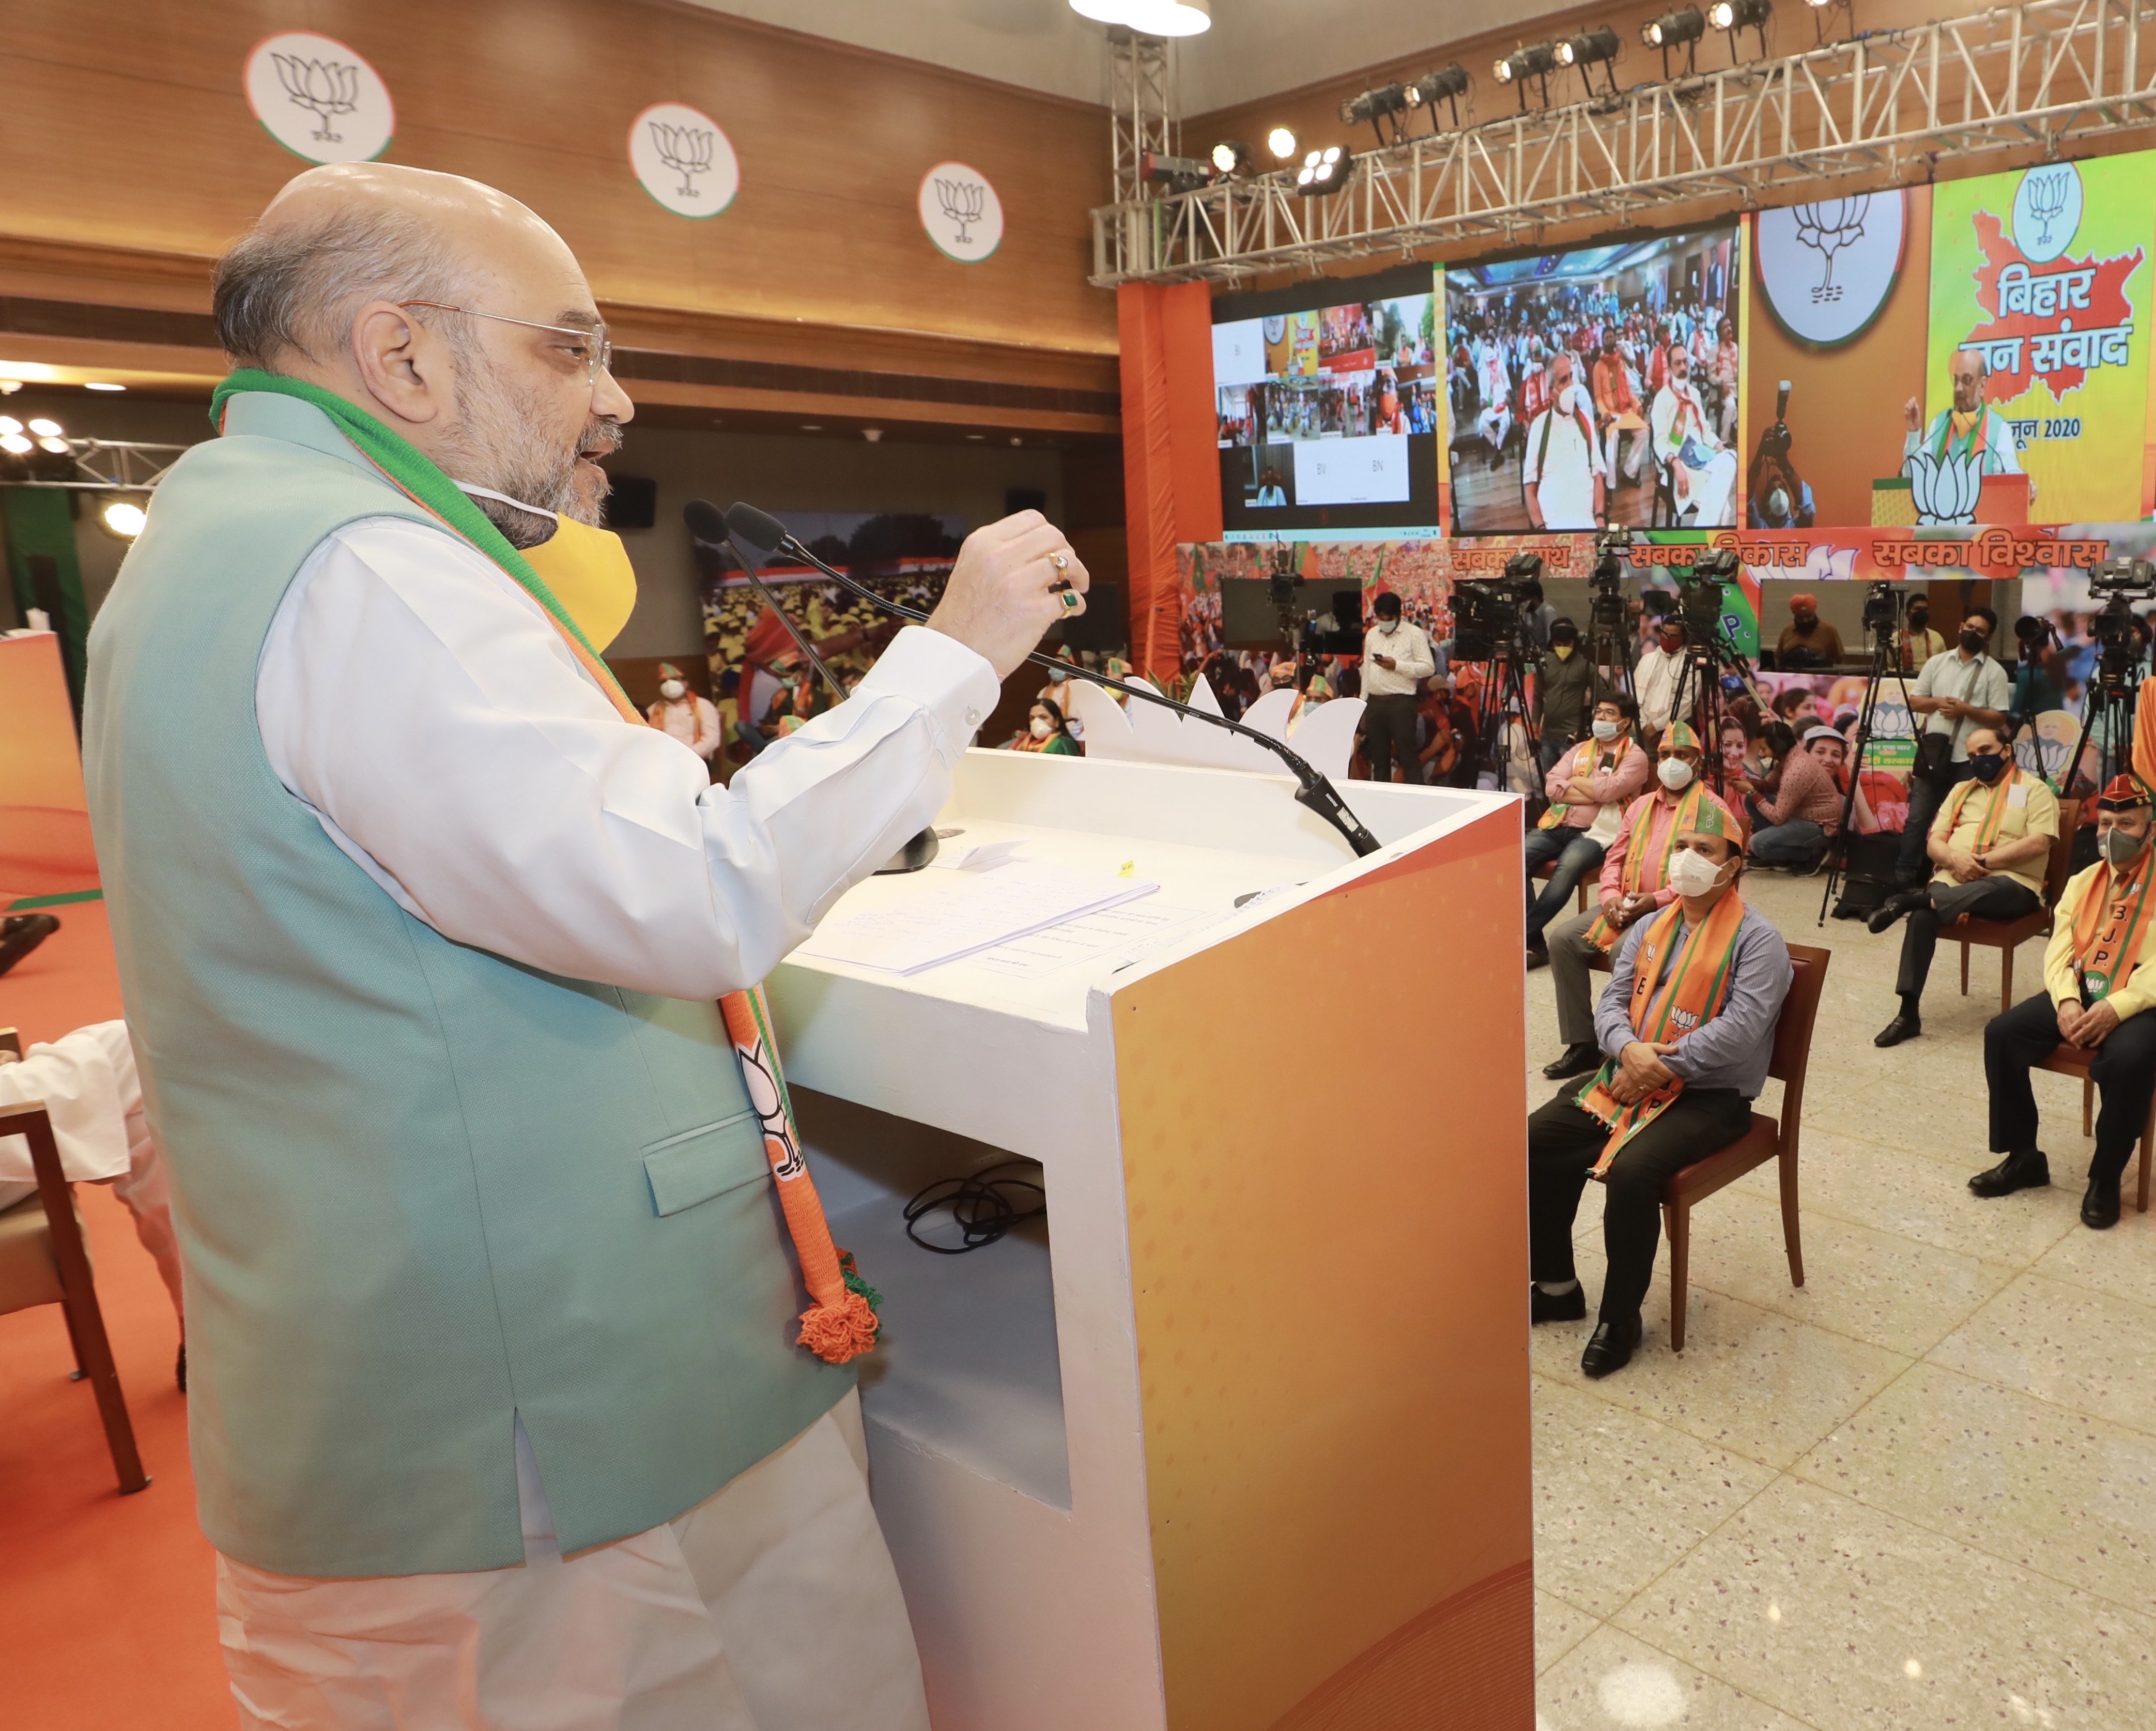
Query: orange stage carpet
(107, 1601)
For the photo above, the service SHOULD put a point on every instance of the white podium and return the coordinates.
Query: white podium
(1237, 1438)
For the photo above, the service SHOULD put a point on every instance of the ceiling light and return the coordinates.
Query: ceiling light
(1015, 439)
(812, 426)
(15, 445)
(121, 518)
(92, 384)
(872, 434)
(1150, 17)
(977, 435)
(1522, 63)
(8, 423)
(43, 426)
(1231, 156)
(1439, 86)
(8, 386)
(57, 446)
(1281, 143)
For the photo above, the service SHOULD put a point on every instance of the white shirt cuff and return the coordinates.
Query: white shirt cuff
(956, 685)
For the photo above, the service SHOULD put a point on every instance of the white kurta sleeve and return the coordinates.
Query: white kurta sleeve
(443, 732)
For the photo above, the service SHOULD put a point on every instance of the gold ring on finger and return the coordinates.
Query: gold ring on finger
(1059, 562)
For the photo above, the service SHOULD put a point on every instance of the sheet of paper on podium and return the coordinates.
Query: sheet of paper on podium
(940, 921)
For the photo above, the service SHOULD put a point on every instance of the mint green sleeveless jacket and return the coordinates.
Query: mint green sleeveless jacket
(419, 1189)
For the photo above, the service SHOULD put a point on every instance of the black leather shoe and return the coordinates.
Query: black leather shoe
(1556, 1307)
(1892, 908)
(1904, 1026)
(2100, 1204)
(1610, 1347)
(22, 933)
(1575, 1061)
(2028, 1170)
(1537, 957)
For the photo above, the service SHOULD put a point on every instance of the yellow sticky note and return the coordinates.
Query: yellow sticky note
(1130, 866)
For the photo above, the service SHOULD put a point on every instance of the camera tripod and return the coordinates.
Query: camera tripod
(1885, 661)
(1697, 696)
(1504, 697)
(2107, 717)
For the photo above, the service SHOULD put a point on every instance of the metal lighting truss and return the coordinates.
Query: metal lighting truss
(112, 465)
(1881, 104)
(1138, 75)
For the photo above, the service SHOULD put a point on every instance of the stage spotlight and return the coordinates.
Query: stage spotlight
(8, 423)
(1232, 156)
(1731, 16)
(1387, 103)
(45, 427)
(1681, 29)
(15, 445)
(1281, 143)
(1820, 9)
(1324, 171)
(1447, 87)
(1522, 63)
(59, 447)
(1595, 47)
(121, 518)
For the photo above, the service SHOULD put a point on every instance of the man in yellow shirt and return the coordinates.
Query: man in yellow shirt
(2099, 976)
(1991, 842)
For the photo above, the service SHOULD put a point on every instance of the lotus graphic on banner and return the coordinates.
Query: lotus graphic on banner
(319, 99)
(1826, 269)
(683, 159)
(961, 212)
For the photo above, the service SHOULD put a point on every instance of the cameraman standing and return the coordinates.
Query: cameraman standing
(1396, 658)
(1960, 689)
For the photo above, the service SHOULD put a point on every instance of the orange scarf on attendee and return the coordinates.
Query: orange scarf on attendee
(1583, 766)
(841, 1323)
(1645, 869)
(1987, 832)
(2109, 926)
(1677, 987)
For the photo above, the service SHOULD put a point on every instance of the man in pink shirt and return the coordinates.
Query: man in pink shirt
(1588, 789)
(1635, 881)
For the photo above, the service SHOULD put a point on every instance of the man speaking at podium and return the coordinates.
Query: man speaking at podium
(497, 1414)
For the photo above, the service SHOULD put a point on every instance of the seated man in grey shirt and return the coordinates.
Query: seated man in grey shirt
(1686, 1026)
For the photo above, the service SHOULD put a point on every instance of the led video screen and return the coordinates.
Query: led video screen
(1593, 387)
(1327, 404)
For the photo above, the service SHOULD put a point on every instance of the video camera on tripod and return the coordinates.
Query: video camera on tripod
(1490, 614)
(1882, 611)
(2121, 583)
(1699, 593)
(1607, 609)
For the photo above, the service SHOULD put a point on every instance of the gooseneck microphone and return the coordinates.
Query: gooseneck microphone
(756, 537)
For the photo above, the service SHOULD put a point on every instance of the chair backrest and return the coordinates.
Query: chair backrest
(1793, 1028)
(2060, 867)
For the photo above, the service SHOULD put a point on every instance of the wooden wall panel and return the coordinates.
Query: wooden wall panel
(124, 126)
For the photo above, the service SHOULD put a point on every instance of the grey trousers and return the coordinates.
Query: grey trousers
(1576, 984)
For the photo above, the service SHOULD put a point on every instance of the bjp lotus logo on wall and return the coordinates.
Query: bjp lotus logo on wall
(318, 98)
(684, 160)
(961, 212)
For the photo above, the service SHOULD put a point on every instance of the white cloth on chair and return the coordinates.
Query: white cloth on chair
(91, 1091)
(772, 1606)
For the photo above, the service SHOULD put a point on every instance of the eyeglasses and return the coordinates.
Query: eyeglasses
(593, 348)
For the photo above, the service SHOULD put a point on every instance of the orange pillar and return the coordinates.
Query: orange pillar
(1170, 466)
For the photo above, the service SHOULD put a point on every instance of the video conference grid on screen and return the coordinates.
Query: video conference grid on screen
(1328, 405)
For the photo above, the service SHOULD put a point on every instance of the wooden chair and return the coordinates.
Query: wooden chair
(2074, 1060)
(43, 1261)
(2005, 935)
(1767, 1139)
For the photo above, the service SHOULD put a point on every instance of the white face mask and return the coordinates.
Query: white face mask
(1606, 730)
(1674, 773)
(1042, 727)
(671, 690)
(1693, 874)
(1566, 399)
(1056, 675)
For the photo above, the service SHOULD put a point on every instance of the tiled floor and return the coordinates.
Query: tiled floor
(1920, 1492)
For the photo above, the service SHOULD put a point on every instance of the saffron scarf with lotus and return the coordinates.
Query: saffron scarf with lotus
(841, 1322)
(2110, 926)
(1647, 869)
(1678, 984)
